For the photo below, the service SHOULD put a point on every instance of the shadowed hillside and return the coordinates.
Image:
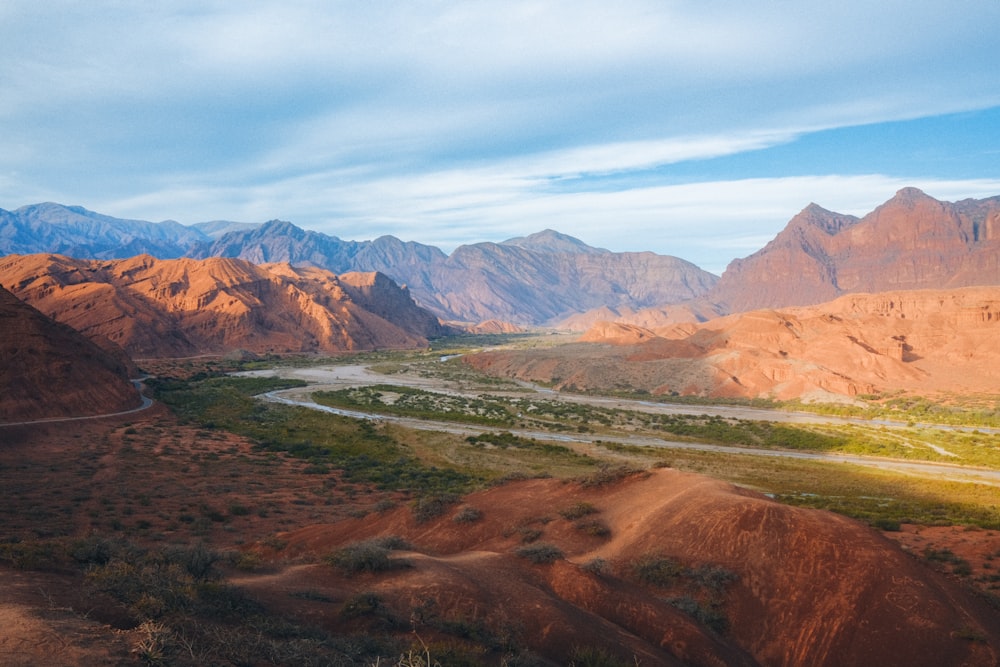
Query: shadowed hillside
(662, 568)
(48, 369)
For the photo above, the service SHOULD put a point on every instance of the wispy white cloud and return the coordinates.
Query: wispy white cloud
(454, 122)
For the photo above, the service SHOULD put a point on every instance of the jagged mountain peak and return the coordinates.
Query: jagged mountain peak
(816, 216)
(912, 241)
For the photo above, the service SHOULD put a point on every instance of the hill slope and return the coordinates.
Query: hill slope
(684, 570)
(184, 307)
(922, 341)
(47, 369)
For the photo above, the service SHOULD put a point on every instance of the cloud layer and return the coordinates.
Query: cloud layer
(626, 124)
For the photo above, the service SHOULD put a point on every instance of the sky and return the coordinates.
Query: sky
(695, 129)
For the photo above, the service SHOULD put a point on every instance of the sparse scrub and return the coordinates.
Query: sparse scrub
(579, 510)
(597, 566)
(590, 656)
(657, 570)
(431, 507)
(707, 614)
(467, 514)
(540, 552)
(368, 556)
(608, 474)
(593, 527)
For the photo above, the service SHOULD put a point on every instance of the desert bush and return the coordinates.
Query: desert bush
(590, 656)
(29, 555)
(198, 560)
(541, 552)
(467, 514)
(368, 556)
(707, 614)
(593, 528)
(426, 508)
(657, 570)
(578, 510)
(596, 566)
(607, 474)
(715, 578)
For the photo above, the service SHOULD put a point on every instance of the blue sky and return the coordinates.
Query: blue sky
(694, 129)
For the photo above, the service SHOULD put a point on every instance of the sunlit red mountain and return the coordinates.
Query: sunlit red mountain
(922, 341)
(184, 307)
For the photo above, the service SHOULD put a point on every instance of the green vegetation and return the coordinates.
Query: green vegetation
(702, 588)
(578, 511)
(370, 454)
(368, 556)
(878, 497)
(186, 616)
(923, 444)
(356, 447)
(540, 552)
(955, 411)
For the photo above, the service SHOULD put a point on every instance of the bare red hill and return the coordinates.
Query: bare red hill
(184, 307)
(48, 369)
(664, 568)
(923, 341)
(913, 241)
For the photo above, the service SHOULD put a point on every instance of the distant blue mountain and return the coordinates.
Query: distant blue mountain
(541, 278)
(77, 232)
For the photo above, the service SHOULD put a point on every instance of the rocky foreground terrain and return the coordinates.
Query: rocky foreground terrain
(661, 567)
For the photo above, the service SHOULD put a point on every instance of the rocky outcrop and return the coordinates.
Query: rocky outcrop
(48, 369)
(911, 242)
(185, 307)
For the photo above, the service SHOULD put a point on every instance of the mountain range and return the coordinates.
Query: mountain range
(912, 241)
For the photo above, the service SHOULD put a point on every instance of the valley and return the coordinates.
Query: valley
(321, 471)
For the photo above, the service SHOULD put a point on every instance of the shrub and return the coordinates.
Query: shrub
(596, 566)
(707, 615)
(431, 507)
(368, 556)
(657, 570)
(528, 534)
(593, 527)
(541, 552)
(713, 577)
(577, 511)
(589, 656)
(609, 475)
(467, 514)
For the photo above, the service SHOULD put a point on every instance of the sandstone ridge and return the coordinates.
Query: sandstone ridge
(185, 307)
